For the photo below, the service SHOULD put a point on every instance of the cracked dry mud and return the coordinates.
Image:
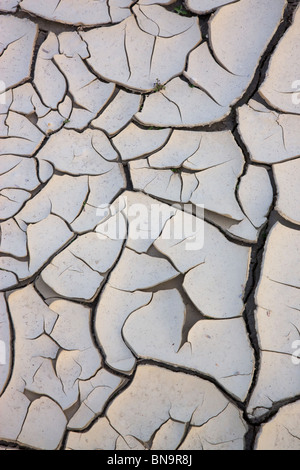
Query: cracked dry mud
(150, 339)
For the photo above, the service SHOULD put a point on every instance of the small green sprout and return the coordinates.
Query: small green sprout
(158, 86)
(181, 11)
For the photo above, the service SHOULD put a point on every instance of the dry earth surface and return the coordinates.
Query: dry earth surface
(150, 225)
